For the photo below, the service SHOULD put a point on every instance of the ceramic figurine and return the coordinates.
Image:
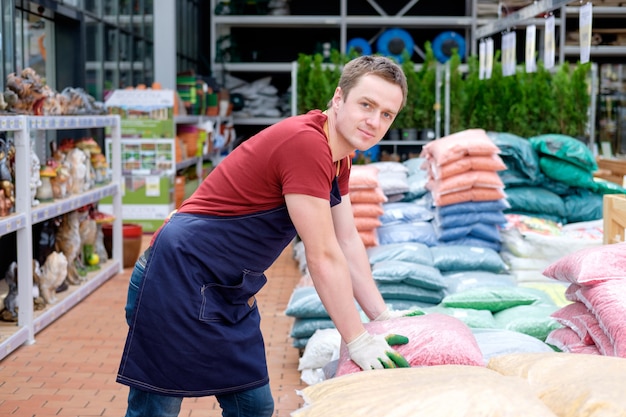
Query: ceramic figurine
(78, 170)
(35, 177)
(44, 191)
(68, 242)
(6, 178)
(53, 274)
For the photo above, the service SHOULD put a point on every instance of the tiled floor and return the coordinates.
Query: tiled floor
(71, 368)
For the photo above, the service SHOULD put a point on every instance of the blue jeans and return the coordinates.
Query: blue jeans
(252, 403)
(135, 282)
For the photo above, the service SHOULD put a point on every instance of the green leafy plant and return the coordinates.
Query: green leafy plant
(426, 96)
(456, 92)
(317, 80)
(406, 118)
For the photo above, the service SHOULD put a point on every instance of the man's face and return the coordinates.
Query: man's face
(365, 115)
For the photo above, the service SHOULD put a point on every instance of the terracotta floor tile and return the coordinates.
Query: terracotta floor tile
(70, 370)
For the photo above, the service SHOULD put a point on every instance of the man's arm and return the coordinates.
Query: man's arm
(365, 290)
(326, 262)
(331, 275)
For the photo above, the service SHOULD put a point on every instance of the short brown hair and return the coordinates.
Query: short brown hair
(381, 66)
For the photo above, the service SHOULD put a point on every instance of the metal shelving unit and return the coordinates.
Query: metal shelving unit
(599, 12)
(197, 161)
(30, 322)
(341, 22)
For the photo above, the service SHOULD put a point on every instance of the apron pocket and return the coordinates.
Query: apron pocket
(231, 303)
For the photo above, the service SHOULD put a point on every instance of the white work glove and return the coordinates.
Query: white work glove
(373, 351)
(394, 314)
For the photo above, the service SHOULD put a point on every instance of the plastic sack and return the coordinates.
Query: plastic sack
(434, 339)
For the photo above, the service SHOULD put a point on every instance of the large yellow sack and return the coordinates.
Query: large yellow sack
(572, 385)
(433, 391)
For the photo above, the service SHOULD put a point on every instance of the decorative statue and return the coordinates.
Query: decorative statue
(68, 242)
(78, 170)
(35, 177)
(53, 274)
(6, 178)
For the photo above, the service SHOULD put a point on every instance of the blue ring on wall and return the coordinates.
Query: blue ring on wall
(445, 42)
(393, 42)
(360, 45)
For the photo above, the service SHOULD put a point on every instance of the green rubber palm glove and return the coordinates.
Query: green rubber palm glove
(374, 351)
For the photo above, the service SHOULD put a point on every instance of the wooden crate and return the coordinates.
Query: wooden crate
(614, 216)
(611, 169)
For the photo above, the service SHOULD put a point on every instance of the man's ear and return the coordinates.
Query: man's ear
(337, 97)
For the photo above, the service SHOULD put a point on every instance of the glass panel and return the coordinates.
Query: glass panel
(94, 40)
(110, 7)
(111, 43)
(19, 41)
(7, 30)
(93, 6)
(148, 63)
(126, 7)
(139, 78)
(139, 51)
(125, 48)
(148, 28)
(126, 76)
(94, 83)
(110, 81)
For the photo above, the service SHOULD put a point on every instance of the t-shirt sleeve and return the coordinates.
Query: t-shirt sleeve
(305, 167)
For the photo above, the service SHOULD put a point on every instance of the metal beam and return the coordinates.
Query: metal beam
(519, 16)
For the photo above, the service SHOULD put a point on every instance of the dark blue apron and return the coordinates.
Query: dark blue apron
(195, 330)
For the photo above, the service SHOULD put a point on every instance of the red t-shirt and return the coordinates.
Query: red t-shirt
(289, 157)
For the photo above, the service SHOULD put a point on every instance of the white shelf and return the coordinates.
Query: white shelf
(46, 211)
(254, 66)
(198, 119)
(600, 50)
(421, 22)
(12, 335)
(337, 21)
(186, 163)
(12, 223)
(256, 121)
(599, 11)
(289, 21)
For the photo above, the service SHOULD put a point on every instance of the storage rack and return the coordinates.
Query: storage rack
(341, 22)
(213, 155)
(21, 222)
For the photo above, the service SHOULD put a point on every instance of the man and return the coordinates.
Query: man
(194, 322)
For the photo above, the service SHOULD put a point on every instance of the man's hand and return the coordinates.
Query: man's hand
(373, 351)
(394, 314)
